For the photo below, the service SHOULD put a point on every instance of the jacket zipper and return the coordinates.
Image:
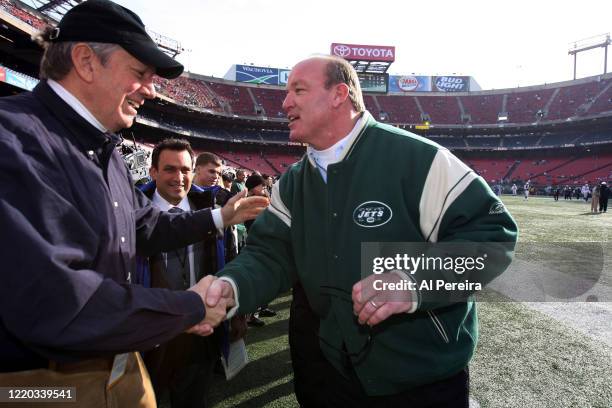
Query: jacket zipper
(439, 326)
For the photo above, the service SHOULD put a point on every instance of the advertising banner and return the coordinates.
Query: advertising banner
(19, 80)
(409, 83)
(450, 83)
(353, 52)
(256, 75)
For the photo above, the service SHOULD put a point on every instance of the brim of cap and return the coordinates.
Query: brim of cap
(148, 53)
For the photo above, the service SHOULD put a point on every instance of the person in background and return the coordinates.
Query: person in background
(595, 198)
(182, 367)
(256, 186)
(585, 190)
(238, 184)
(227, 178)
(208, 168)
(604, 193)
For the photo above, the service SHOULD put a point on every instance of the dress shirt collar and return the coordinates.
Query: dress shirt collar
(336, 153)
(161, 203)
(75, 104)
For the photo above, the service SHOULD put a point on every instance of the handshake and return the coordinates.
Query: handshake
(218, 297)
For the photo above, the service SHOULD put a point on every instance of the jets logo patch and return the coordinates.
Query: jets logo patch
(372, 214)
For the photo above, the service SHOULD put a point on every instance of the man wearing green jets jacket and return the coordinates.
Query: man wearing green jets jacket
(410, 352)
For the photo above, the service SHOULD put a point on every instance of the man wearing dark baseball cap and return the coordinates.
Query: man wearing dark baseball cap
(72, 223)
(103, 21)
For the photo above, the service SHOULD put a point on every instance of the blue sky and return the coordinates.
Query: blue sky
(501, 44)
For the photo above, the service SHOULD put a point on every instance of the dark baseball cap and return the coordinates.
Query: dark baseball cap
(106, 22)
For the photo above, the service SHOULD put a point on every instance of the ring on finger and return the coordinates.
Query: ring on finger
(374, 304)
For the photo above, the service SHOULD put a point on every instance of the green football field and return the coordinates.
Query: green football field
(529, 355)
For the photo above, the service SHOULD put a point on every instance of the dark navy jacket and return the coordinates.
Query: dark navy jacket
(71, 224)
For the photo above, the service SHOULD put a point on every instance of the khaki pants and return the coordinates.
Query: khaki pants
(90, 378)
(594, 203)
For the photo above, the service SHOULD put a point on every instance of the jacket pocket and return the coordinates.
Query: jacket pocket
(439, 326)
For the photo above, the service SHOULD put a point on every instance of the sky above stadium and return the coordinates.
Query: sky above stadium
(500, 44)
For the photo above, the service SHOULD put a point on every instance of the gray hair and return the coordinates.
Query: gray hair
(56, 61)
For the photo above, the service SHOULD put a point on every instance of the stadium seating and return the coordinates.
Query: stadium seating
(483, 142)
(482, 108)
(528, 106)
(492, 170)
(400, 109)
(247, 160)
(537, 169)
(371, 106)
(281, 161)
(441, 109)
(271, 100)
(236, 95)
(570, 100)
(254, 146)
(188, 91)
(450, 142)
(603, 103)
(591, 168)
(519, 141)
(522, 107)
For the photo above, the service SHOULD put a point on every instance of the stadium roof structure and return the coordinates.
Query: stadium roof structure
(53, 9)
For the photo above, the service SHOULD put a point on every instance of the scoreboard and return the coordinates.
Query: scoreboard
(373, 83)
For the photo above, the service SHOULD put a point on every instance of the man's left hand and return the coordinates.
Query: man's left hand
(241, 208)
(373, 306)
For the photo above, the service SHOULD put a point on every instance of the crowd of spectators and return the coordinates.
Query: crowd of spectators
(22, 14)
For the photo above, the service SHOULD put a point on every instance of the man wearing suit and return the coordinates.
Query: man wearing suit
(184, 365)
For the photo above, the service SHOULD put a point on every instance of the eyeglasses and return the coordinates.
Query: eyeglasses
(345, 295)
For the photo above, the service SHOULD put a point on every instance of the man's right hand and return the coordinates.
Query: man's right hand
(214, 314)
(241, 208)
(220, 291)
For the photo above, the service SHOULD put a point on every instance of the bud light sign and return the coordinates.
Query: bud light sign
(451, 83)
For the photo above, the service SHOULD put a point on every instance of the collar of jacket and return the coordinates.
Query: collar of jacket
(368, 122)
(82, 133)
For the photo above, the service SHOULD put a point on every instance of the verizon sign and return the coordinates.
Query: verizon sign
(353, 52)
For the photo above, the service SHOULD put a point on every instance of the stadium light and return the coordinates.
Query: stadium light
(590, 43)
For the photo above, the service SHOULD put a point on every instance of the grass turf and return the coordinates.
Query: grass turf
(524, 358)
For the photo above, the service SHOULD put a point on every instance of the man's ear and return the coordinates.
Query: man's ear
(153, 173)
(83, 60)
(340, 95)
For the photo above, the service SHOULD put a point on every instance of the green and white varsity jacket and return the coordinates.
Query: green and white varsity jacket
(312, 232)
